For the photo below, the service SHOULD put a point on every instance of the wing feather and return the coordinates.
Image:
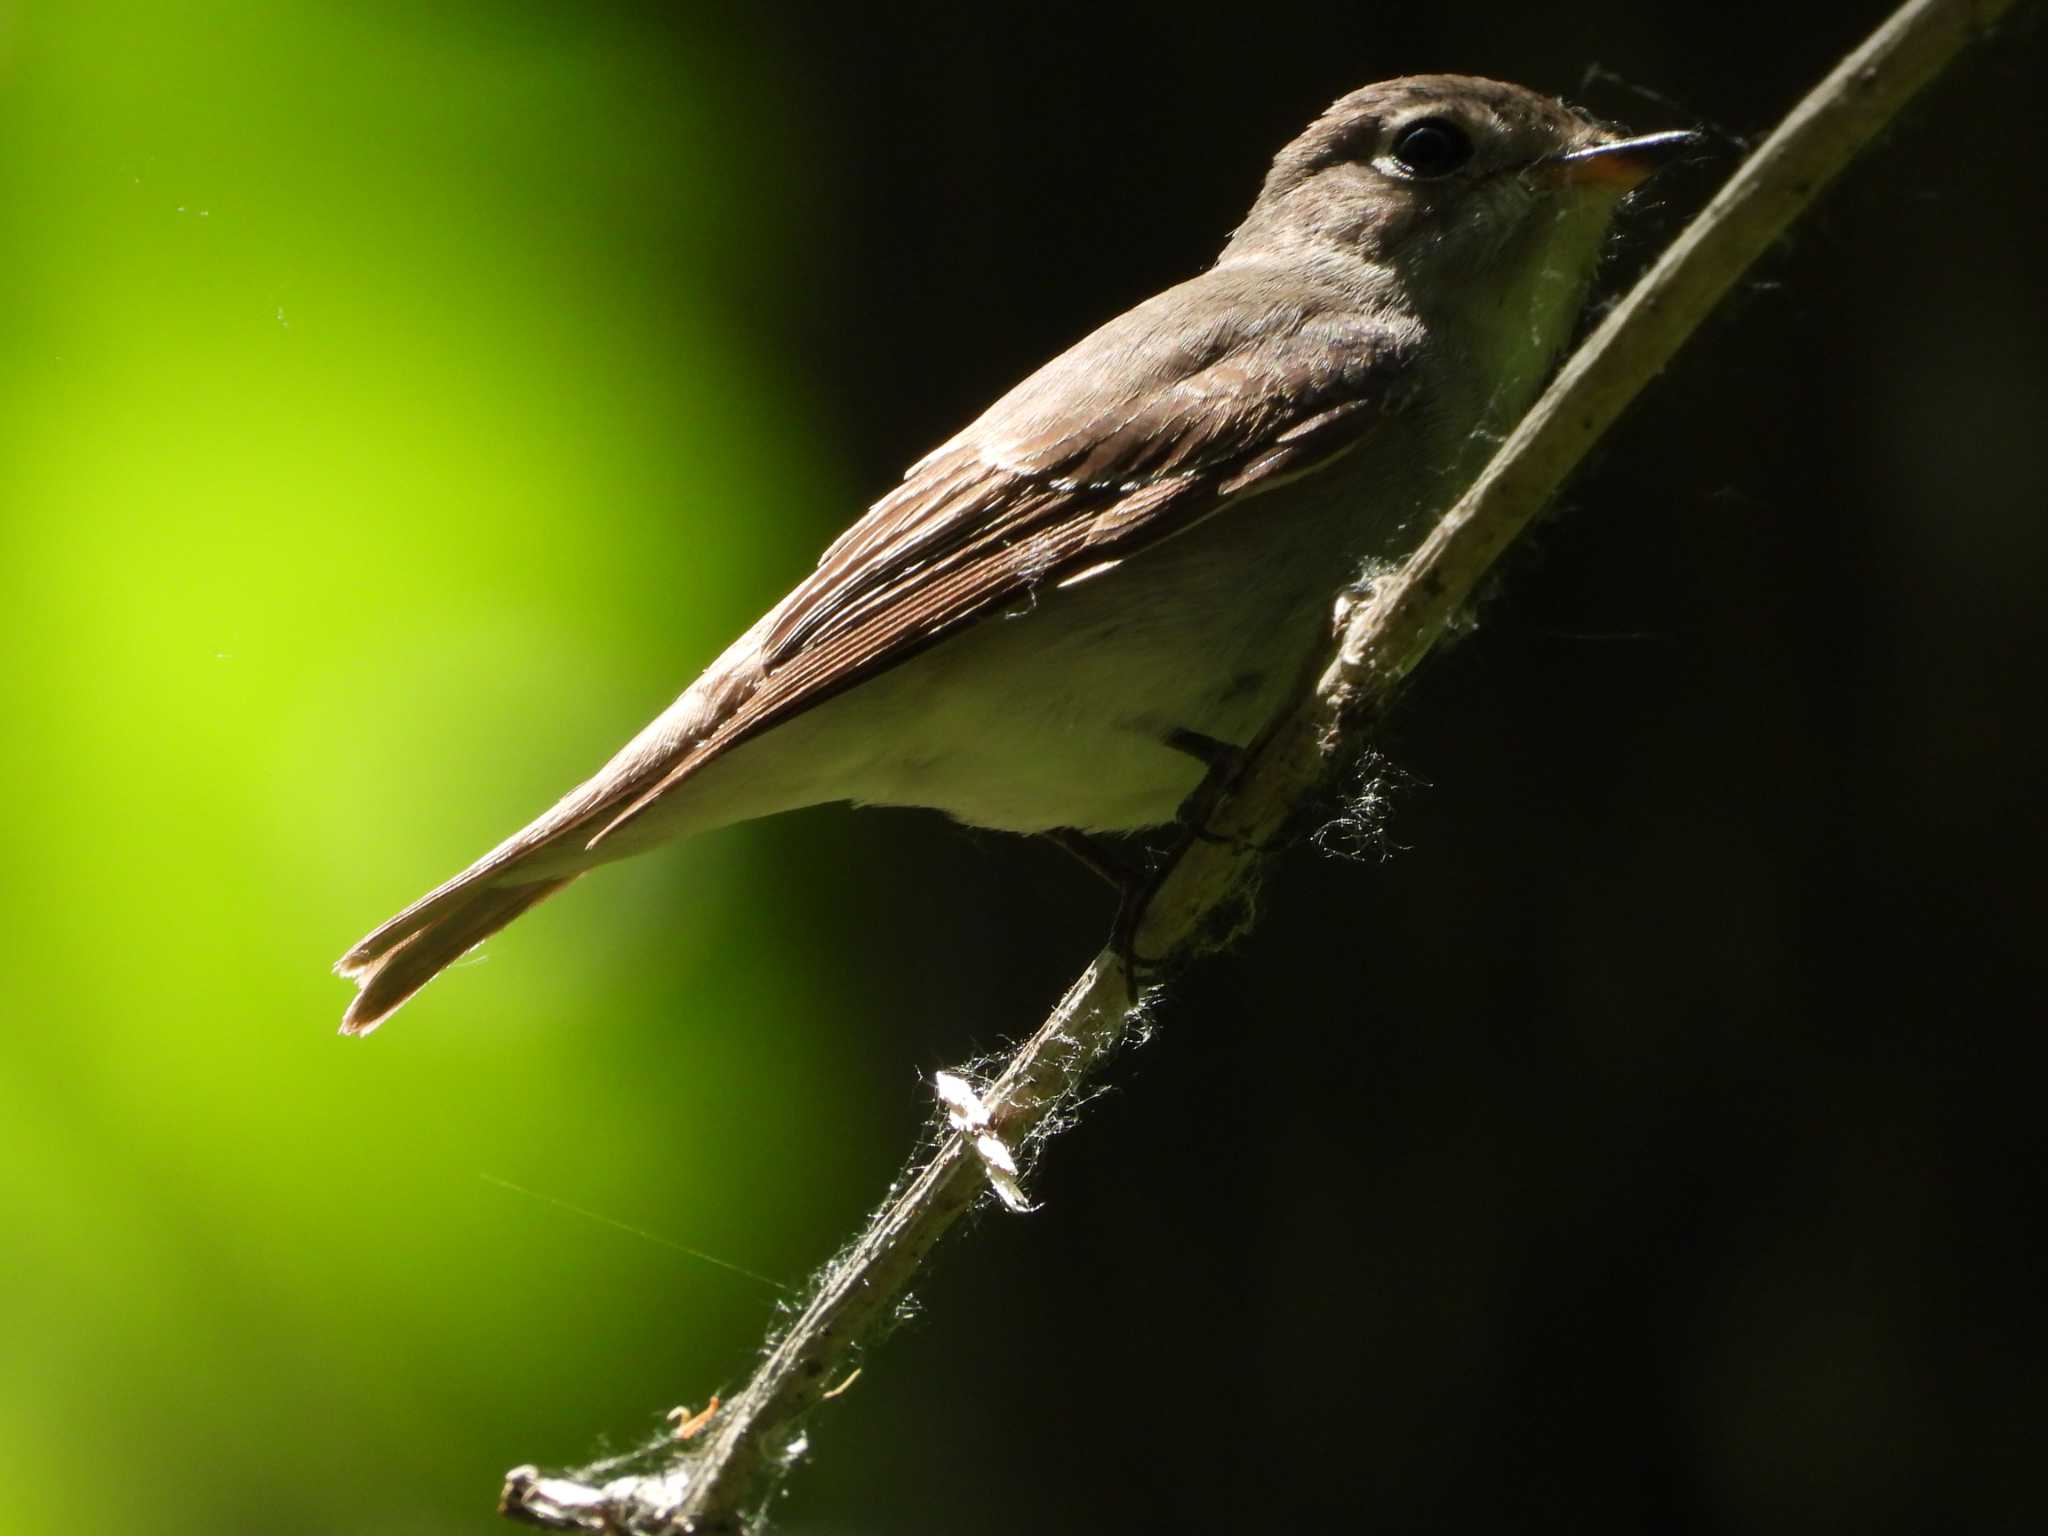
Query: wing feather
(1160, 419)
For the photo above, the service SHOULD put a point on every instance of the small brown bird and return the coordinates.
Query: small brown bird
(1127, 561)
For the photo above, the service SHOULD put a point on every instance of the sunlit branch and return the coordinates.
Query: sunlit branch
(720, 1479)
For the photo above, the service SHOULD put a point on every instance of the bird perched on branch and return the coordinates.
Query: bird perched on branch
(1119, 571)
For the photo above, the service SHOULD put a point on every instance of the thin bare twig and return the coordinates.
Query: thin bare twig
(723, 1477)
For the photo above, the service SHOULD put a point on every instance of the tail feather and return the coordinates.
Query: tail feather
(422, 941)
(407, 951)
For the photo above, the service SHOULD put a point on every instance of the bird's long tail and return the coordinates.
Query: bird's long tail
(409, 950)
(419, 943)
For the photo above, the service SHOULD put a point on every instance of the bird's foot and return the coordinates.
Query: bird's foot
(1224, 761)
(1134, 887)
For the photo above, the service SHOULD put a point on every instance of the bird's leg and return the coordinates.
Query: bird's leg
(1217, 756)
(1097, 859)
(1223, 759)
(1134, 888)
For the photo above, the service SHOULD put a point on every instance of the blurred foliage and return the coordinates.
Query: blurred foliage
(399, 402)
(376, 451)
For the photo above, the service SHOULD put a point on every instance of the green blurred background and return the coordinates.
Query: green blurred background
(378, 444)
(398, 404)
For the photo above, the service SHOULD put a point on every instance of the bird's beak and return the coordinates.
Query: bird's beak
(1622, 165)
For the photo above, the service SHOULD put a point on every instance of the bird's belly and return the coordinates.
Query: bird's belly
(1062, 713)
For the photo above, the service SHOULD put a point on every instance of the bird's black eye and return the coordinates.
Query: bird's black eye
(1436, 146)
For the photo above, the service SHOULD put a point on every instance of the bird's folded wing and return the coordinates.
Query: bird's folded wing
(1166, 416)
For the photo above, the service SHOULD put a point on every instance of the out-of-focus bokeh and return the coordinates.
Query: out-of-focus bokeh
(399, 403)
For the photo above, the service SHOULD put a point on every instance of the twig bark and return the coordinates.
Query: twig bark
(720, 1480)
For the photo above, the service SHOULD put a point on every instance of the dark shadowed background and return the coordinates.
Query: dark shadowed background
(399, 404)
